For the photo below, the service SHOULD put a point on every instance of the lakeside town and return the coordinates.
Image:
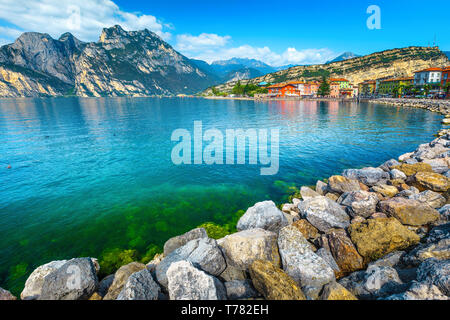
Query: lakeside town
(432, 82)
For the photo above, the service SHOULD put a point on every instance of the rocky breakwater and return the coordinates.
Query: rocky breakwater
(371, 233)
(440, 106)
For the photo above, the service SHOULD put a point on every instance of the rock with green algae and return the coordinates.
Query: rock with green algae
(335, 291)
(273, 283)
(244, 247)
(120, 279)
(431, 181)
(408, 211)
(375, 238)
(412, 169)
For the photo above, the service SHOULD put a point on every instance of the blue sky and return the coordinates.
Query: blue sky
(299, 32)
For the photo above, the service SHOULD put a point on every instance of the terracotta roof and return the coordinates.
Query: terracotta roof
(279, 85)
(429, 69)
(339, 80)
(399, 79)
(446, 69)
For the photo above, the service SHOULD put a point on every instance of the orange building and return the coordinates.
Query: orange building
(283, 90)
(335, 89)
(311, 88)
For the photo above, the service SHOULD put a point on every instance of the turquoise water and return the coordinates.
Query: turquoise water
(88, 175)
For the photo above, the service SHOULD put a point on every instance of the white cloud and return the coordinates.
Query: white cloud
(187, 42)
(264, 54)
(85, 21)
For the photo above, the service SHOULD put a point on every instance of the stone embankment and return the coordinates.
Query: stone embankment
(371, 233)
(441, 106)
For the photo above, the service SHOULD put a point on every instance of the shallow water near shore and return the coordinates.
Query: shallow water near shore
(88, 175)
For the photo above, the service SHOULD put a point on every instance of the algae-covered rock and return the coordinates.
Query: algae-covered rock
(431, 181)
(335, 291)
(408, 211)
(375, 238)
(244, 247)
(340, 184)
(412, 169)
(273, 283)
(120, 279)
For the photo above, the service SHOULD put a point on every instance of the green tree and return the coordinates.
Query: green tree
(324, 89)
(238, 89)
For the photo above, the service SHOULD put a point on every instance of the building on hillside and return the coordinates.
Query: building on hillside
(300, 85)
(281, 90)
(395, 86)
(367, 87)
(431, 77)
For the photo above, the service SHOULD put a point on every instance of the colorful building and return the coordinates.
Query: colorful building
(283, 90)
(395, 86)
(335, 90)
(344, 84)
(311, 88)
(430, 76)
(368, 87)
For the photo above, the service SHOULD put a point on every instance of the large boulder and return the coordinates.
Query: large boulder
(388, 165)
(204, 253)
(186, 282)
(300, 262)
(436, 272)
(33, 285)
(240, 289)
(179, 241)
(431, 198)
(359, 203)
(344, 252)
(368, 176)
(6, 295)
(373, 283)
(140, 286)
(273, 283)
(438, 165)
(324, 213)
(75, 280)
(120, 279)
(340, 184)
(264, 215)
(431, 181)
(385, 190)
(242, 248)
(408, 211)
(374, 238)
(321, 187)
(439, 250)
(397, 174)
(412, 169)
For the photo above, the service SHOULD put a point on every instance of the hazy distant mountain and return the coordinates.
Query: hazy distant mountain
(121, 63)
(240, 63)
(243, 74)
(344, 56)
(285, 67)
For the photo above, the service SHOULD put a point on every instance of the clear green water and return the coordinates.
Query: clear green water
(90, 175)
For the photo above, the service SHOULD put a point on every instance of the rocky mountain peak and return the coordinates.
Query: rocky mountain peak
(112, 33)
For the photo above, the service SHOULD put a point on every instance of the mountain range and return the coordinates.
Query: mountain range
(344, 56)
(120, 63)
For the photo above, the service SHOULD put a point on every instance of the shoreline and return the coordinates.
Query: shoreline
(291, 212)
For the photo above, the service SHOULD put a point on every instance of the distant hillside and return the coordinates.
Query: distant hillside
(389, 63)
(344, 56)
(121, 63)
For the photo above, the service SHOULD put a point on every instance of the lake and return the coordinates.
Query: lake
(91, 175)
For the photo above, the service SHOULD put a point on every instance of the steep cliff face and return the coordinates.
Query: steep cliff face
(136, 63)
(390, 63)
